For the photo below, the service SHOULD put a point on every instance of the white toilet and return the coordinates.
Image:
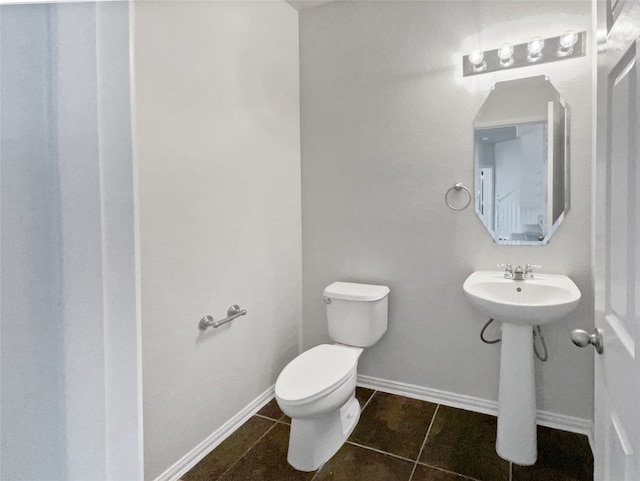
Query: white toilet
(317, 389)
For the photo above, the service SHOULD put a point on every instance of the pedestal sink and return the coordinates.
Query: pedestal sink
(519, 305)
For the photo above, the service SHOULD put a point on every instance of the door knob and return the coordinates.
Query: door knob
(582, 338)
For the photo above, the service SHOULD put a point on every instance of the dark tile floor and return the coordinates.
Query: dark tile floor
(397, 439)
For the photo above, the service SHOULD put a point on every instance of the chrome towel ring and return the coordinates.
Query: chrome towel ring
(457, 187)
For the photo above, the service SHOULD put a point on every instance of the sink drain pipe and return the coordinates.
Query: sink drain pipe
(537, 332)
(486, 341)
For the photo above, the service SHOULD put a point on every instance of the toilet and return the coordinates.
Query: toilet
(317, 389)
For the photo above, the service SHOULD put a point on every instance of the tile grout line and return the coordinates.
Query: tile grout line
(424, 442)
(369, 400)
(279, 420)
(463, 476)
(264, 417)
(315, 475)
(380, 451)
(249, 449)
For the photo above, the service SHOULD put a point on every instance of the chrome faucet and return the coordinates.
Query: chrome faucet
(518, 274)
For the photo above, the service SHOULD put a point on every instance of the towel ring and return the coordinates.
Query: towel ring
(458, 186)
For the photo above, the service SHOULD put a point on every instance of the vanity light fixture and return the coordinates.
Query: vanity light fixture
(536, 51)
(566, 43)
(505, 54)
(476, 57)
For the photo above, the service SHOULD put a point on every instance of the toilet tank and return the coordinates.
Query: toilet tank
(357, 313)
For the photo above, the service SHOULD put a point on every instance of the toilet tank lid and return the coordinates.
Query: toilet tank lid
(355, 292)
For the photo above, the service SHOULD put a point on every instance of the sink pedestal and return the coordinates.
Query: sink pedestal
(516, 440)
(523, 304)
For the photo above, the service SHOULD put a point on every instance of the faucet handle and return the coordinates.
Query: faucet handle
(508, 270)
(528, 271)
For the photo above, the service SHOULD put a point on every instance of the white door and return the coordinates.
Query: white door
(616, 250)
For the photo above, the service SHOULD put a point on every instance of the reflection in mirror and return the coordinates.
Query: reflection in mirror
(521, 181)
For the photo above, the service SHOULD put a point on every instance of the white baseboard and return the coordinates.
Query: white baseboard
(470, 403)
(192, 458)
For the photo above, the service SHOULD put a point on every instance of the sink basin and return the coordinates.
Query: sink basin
(541, 300)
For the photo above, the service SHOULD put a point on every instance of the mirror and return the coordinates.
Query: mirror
(521, 161)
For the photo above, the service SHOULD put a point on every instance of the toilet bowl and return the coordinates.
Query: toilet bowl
(318, 381)
(317, 388)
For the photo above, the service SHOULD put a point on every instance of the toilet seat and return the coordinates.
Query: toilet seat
(315, 373)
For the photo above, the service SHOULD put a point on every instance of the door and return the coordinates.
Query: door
(486, 196)
(616, 253)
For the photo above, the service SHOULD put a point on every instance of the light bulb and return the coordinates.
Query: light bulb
(505, 54)
(567, 41)
(476, 57)
(534, 47)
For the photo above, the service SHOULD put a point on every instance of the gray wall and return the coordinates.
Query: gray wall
(218, 144)
(386, 122)
(70, 405)
(98, 265)
(31, 364)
